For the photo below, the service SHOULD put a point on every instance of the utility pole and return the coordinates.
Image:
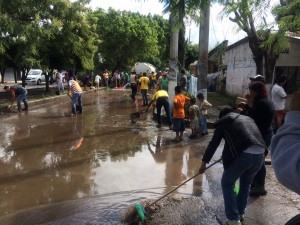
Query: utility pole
(202, 66)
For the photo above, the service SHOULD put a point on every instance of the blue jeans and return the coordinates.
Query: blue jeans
(202, 124)
(22, 98)
(244, 168)
(144, 96)
(163, 102)
(77, 97)
(260, 177)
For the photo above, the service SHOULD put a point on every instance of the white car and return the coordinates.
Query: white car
(35, 76)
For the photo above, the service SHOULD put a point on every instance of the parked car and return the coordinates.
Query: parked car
(35, 76)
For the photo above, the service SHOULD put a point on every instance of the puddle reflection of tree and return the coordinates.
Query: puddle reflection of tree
(53, 170)
(181, 163)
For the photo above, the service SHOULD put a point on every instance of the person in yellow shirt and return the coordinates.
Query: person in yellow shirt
(178, 113)
(144, 82)
(153, 81)
(161, 98)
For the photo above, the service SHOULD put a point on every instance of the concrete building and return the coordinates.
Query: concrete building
(240, 65)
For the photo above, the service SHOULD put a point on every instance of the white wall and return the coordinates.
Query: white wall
(292, 58)
(240, 66)
(9, 75)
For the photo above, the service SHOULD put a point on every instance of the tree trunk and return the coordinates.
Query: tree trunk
(181, 47)
(270, 62)
(16, 75)
(2, 75)
(202, 67)
(47, 80)
(254, 44)
(173, 67)
(23, 77)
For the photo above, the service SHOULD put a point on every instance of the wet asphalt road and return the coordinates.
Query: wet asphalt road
(61, 170)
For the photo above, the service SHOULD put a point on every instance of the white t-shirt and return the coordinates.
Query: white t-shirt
(133, 78)
(97, 78)
(278, 97)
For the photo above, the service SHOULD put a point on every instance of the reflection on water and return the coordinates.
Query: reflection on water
(87, 168)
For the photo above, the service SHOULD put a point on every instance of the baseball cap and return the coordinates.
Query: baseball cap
(258, 77)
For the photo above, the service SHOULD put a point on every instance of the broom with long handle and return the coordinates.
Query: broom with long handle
(140, 210)
(175, 188)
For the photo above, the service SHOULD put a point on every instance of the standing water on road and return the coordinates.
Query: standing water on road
(87, 169)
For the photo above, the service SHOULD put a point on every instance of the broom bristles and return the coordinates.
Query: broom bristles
(129, 214)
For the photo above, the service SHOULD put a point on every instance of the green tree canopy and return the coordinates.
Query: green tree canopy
(46, 34)
(128, 37)
(288, 15)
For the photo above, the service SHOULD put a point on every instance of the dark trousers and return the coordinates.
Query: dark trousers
(163, 102)
(260, 176)
(133, 91)
(144, 96)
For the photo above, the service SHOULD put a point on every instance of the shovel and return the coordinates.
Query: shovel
(136, 115)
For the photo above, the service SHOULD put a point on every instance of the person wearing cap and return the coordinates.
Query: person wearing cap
(258, 77)
(19, 94)
(278, 97)
(262, 112)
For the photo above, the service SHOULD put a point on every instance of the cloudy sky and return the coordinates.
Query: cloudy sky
(220, 30)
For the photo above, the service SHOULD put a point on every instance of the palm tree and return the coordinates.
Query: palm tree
(181, 10)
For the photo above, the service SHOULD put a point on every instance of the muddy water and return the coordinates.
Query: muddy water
(57, 169)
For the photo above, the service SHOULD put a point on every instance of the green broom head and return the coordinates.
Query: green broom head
(140, 211)
(236, 189)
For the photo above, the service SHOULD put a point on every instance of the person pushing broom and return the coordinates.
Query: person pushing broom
(242, 156)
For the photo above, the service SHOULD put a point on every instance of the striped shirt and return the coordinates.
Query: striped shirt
(75, 87)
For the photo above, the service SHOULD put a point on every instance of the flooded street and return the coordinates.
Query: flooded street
(48, 157)
(58, 169)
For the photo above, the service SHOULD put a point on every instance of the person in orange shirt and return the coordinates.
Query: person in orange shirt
(178, 113)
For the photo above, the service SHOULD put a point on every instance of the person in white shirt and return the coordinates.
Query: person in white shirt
(278, 97)
(59, 81)
(97, 81)
(133, 85)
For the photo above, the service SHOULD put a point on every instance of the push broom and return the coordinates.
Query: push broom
(139, 210)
